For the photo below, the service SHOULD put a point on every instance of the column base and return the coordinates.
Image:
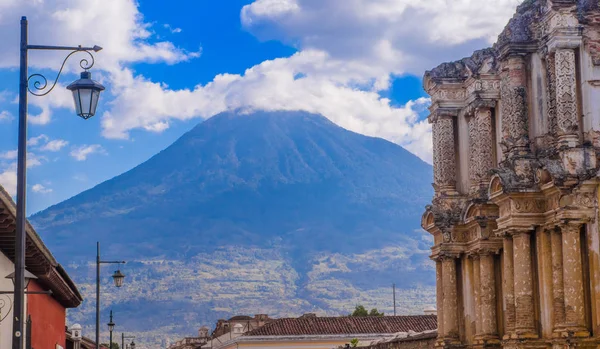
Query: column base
(487, 339)
(448, 343)
(571, 331)
(525, 334)
(568, 141)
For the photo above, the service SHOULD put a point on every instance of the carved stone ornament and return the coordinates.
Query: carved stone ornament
(551, 93)
(514, 115)
(444, 162)
(566, 95)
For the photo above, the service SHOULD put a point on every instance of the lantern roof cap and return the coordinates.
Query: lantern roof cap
(85, 82)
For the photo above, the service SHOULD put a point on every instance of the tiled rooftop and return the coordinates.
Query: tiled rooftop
(346, 325)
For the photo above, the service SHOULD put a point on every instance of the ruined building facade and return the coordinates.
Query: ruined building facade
(516, 133)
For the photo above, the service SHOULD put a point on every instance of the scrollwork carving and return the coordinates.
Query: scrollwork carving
(551, 93)
(566, 95)
(514, 115)
(444, 162)
(529, 205)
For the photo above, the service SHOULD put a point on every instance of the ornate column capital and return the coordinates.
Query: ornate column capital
(479, 104)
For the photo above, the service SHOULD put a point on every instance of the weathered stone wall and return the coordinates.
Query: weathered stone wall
(516, 132)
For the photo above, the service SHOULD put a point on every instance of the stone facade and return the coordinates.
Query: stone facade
(516, 132)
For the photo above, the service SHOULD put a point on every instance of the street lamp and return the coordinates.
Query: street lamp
(28, 277)
(132, 345)
(111, 327)
(123, 338)
(39, 83)
(118, 280)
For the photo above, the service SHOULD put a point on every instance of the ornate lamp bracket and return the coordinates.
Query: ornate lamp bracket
(40, 82)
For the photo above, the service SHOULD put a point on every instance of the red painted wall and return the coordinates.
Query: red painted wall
(47, 319)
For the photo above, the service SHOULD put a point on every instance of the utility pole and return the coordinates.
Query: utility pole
(394, 293)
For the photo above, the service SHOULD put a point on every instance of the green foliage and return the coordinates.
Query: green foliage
(374, 312)
(362, 311)
(115, 345)
(354, 343)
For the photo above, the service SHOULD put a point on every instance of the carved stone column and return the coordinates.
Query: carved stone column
(573, 280)
(481, 145)
(566, 98)
(444, 154)
(551, 96)
(485, 143)
(489, 326)
(558, 293)
(477, 293)
(473, 155)
(515, 124)
(450, 323)
(524, 314)
(508, 286)
(439, 298)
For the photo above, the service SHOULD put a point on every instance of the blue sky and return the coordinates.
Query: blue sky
(169, 65)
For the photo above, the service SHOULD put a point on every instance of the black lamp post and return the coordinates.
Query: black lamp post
(111, 327)
(40, 83)
(118, 281)
(132, 345)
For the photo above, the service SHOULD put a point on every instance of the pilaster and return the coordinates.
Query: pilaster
(566, 98)
(558, 292)
(508, 286)
(444, 152)
(573, 280)
(449, 285)
(523, 281)
(489, 326)
(515, 125)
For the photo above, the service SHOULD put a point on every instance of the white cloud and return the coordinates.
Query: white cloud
(348, 53)
(54, 145)
(116, 25)
(344, 63)
(82, 152)
(9, 155)
(6, 116)
(8, 179)
(401, 35)
(172, 30)
(38, 188)
(34, 141)
(8, 168)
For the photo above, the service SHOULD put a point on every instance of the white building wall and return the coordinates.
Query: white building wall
(6, 302)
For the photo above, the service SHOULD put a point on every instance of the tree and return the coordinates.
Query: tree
(354, 343)
(374, 312)
(362, 311)
(115, 345)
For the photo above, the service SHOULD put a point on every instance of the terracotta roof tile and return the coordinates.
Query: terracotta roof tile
(346, 325)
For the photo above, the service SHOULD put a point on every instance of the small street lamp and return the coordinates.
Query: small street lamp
(111, 327)
(132, 345)
(86, 93)
(123, 338)
(118, 280)
(28, 277)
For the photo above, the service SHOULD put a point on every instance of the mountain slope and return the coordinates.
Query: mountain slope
(279, 206)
